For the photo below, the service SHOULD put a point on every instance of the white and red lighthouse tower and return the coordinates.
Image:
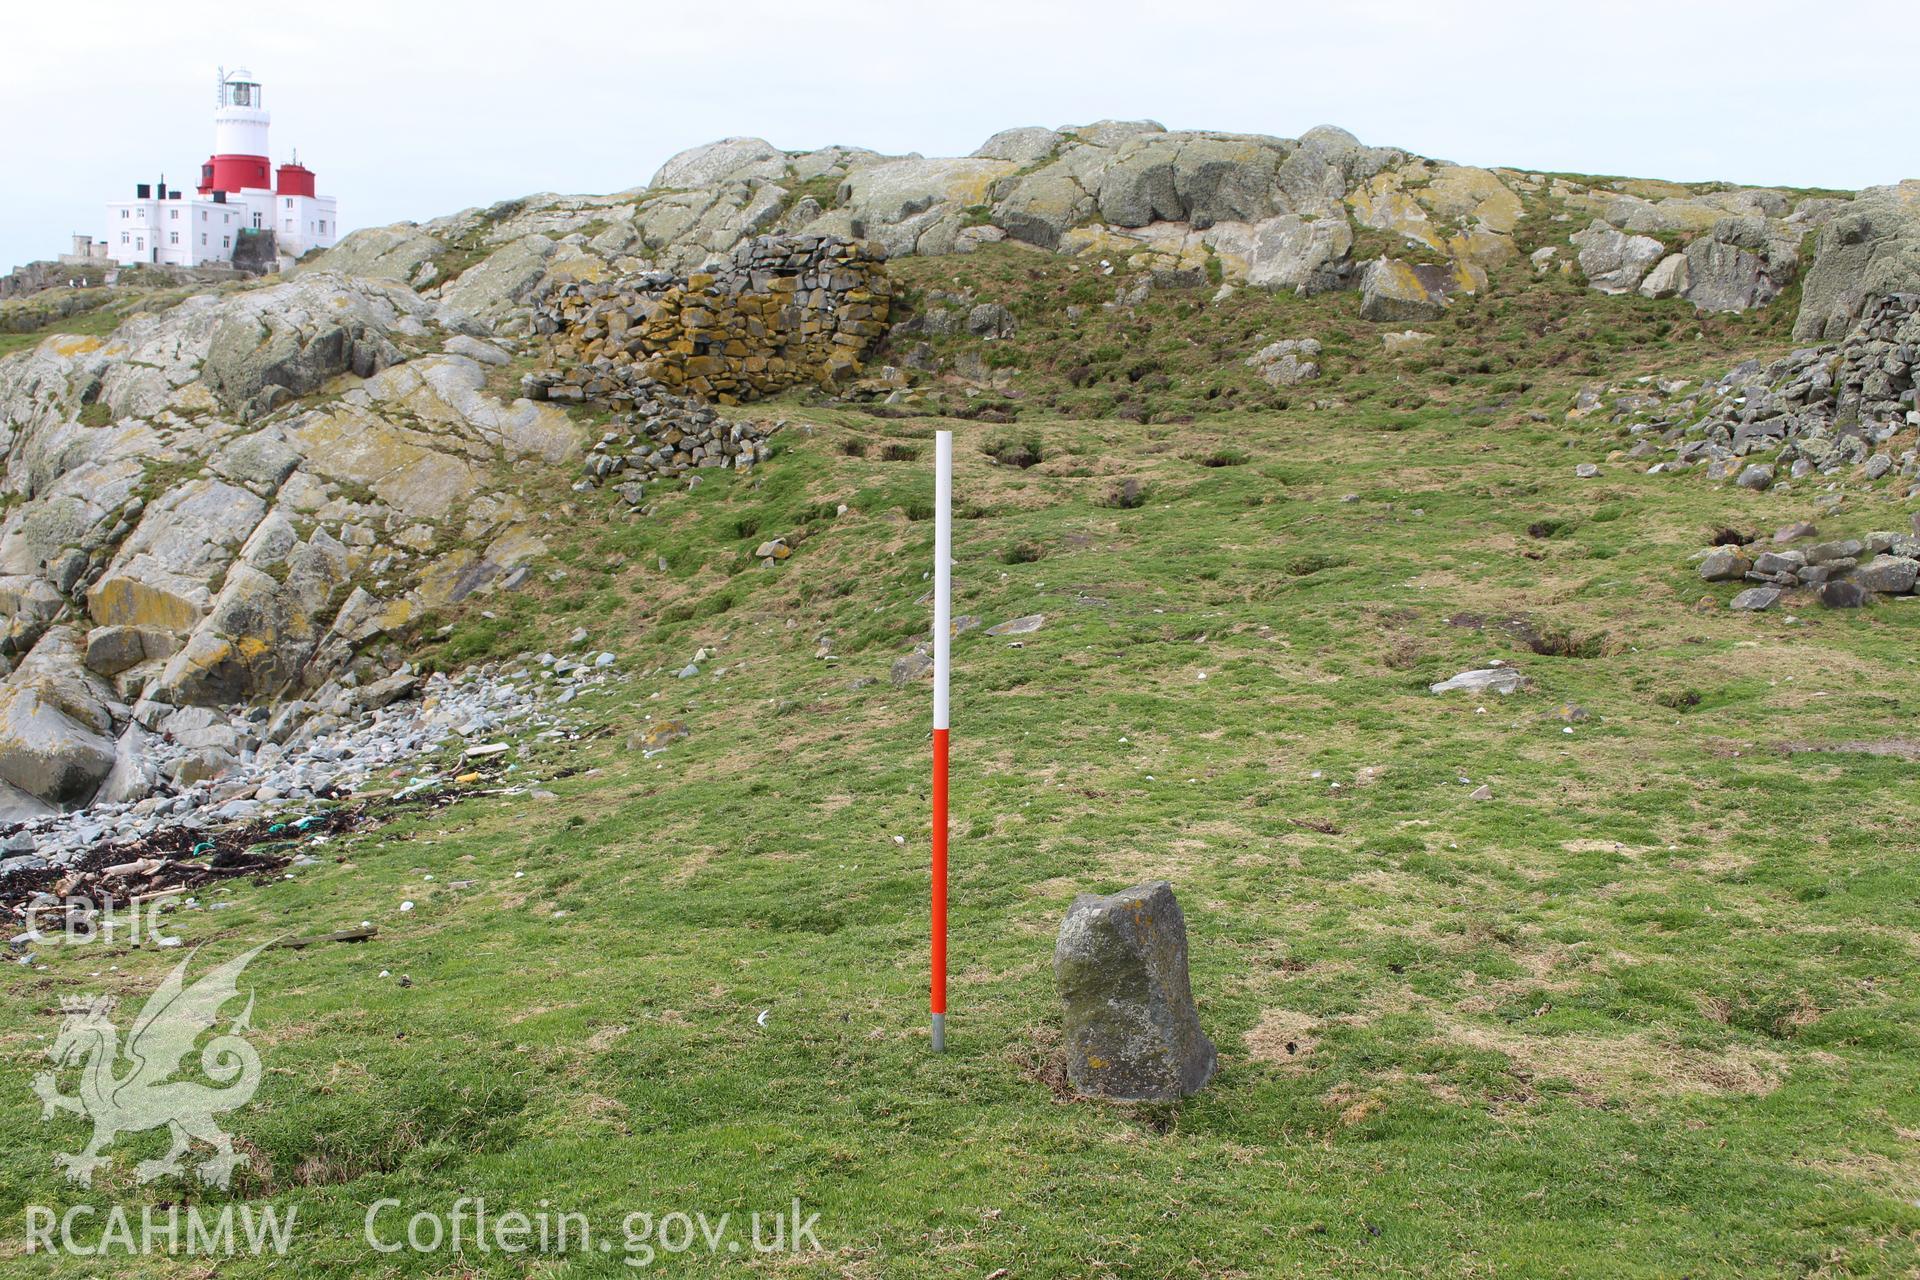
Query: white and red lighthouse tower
(239, 199)
(239, 161)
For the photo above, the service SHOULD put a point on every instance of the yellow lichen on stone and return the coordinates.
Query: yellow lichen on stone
(118, 601)
(69, 345)
(1381, 204)
(1459, 194)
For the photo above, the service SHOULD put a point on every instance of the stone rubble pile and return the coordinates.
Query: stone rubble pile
(666, 436)
(1817, 411)
(1847, 572)
(201, 768)
(788, 311)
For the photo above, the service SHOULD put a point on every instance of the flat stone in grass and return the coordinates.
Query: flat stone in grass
(1754, 599)
(1017, 626)
(1132, 1033)
(1501, 680)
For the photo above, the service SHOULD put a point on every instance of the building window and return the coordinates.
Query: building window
(126, 213)
(226, 242)
(289, 202)
(203, 239)
(125, 237)
(323, 226)
(173, 237)
(256, 221)
(174, 214)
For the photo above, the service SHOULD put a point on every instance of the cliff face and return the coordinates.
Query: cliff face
(185, 529)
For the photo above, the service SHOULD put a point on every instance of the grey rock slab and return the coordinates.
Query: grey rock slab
(1501, 680)
(1889, 575)
(1018, 626)
(1843, 594)
(911, 667)
(1724, 564)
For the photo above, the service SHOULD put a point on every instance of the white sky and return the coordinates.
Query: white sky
(407, 110)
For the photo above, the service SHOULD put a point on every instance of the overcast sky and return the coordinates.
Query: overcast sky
(409, 110)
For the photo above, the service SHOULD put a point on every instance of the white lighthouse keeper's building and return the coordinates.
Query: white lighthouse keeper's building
(239, 196)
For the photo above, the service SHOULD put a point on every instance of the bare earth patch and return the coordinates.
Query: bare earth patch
(1635, 1065)
(1282, 1035)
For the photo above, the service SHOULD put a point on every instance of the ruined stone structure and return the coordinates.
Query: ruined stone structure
(790, 311)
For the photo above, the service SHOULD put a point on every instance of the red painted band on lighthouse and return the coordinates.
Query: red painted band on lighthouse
(236, 173)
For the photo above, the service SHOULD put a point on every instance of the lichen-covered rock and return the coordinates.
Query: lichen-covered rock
(1395, 290)
(898, 202)
(265, 624)
(1739, 267)
(1288, 362)
(1668, 279)
(1196, 178)
(257, 360)
(728, 160)
(111, 650)
(1870, 248)
(497, 290)
(1305, 254)
(1889, 575)
(1611, 260)
(164, 573)
(54, 725)
(1132, 1032)
(1023, 146)
(398, 252)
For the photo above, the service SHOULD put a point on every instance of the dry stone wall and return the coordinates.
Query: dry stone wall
(789, 311)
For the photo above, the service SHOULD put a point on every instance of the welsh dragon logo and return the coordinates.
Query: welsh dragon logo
(140, 1096)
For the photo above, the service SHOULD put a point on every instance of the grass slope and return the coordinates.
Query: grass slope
(1648, 1012)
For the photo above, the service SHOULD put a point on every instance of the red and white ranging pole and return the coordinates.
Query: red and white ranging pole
(942, 648)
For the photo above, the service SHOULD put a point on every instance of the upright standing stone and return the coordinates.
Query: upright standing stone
(1131, 1029)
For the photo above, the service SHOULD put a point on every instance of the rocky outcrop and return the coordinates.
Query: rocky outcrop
(1287, 363)
(1869, 249)
(1272, 212)
(209, 540)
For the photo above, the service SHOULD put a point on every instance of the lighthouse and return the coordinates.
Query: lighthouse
(241, 205)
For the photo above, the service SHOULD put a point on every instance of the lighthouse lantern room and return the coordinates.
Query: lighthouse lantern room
(239, 196)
